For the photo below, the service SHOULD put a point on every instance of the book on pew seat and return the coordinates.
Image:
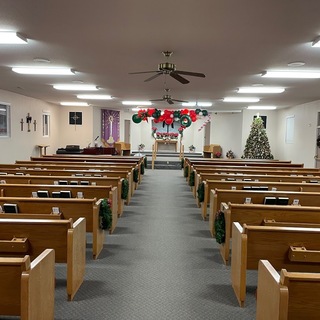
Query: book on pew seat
(264, 188)
(84, 183)
(247, 179)
(79, 175)
(10, 208)
(231, 179)
(63, 182)
(65, 194)
(246, 188)
(43, 194)
(19, 173)
(282, 201)
(3, 173)
(257, 188)
(270, 200)
(73, 182)
(314, 181)
(55, 194)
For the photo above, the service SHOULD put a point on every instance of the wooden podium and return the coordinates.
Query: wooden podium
(123, 148)
(210, 150)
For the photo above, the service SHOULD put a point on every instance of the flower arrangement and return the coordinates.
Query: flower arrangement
(230, 154)
(167, 135)
(141, 146)
(192, 148)
(218, 154)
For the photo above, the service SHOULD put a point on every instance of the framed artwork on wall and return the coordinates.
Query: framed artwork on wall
(4, 120)
(75, 118)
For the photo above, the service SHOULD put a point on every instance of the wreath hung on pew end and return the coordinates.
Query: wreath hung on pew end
(105, 214)
(200, 192)
(191, 179)
(186, 171)
(182, 163)
(124, 189)
(145, 161)
(142, 168)
(136, 175)
(220, 227)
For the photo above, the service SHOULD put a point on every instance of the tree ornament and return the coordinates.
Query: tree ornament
(185, 121)
(136, 118)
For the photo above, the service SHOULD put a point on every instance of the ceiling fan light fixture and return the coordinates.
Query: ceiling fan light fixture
(43, 70)
(301, 74)
(94, 96)
(240, 99)
(75, 87)
(74, 104)
(11, 37)
(137, 103)
(261, 90)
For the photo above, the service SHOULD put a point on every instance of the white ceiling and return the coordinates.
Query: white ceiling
(230, 41)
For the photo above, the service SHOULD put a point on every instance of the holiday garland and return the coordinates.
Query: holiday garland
(191, 179)
(220, 227)
(136, 175)
(184, 116)
(105, 214)
(124, 189)
(186, 172)
(200, 192)
(145, 161)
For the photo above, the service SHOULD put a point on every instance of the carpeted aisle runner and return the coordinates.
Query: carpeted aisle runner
(160, 263)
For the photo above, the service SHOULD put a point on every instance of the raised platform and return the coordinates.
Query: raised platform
(167, 160)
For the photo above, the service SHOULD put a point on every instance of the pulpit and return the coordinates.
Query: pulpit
(123, 148)
(165, 145)
(210, 150)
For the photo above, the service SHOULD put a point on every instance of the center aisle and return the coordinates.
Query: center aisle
(160, 263)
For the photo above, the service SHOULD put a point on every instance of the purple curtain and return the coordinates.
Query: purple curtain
(110, 126)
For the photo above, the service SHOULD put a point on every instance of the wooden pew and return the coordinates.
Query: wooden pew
(276, 244)
(66, 238)
(70, 209)
(219, 196)
(25, 283)
(252, 214)
(288, 295)
(220, 184)
(54, 180)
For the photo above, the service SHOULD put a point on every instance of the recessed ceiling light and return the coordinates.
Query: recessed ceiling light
(74, 103)
(240, 99)
(10, 37)
(137, 103)
(296, 64)
(262, 107)
(75, 87)
(303, 74)
(94, 96)
(43, 70)
(260, 90)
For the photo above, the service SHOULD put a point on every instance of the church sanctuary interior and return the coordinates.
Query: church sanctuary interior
(159, 160)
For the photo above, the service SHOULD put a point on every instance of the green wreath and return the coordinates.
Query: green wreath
(185, 120)
(182, 163)
(124, 189)
(145, 160)
(142, 168)
(220, 227)
(105, 214)
(136, 175)
(191, 179)
(186, 171)
(200, 192)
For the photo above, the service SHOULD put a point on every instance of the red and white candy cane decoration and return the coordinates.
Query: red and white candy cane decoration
(206, 122)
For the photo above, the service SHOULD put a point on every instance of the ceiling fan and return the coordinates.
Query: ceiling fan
(167, 98)
(170, 69)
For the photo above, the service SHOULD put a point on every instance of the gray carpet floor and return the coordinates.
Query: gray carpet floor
(160, 263)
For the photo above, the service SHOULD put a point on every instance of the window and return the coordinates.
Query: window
(45, 125)
(289, 129)
(4, 120)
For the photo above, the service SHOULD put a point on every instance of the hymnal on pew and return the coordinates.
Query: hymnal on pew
(10, 208)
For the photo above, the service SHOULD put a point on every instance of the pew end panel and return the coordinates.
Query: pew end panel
(272, 297)
(225, 247)
(76, 257)
(38, 287)
(98, 234)
(239, 262)
(204, 204)
(114, 208)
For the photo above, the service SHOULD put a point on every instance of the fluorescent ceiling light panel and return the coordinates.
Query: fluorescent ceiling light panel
(43, 70)
(262, 107)
(75, 87)
(260, 90)
(10, 37)
(74, 103)
(199, 104)
(240, 99)
(316, 43)
(188, 104)
(137, 103)
(94, 96)
(303, 74)
(226, 111)
(204, 104)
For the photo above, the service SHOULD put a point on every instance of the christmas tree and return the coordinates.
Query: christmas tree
(257, 145)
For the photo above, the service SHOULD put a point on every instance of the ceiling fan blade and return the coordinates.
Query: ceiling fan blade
(153, 77)
(157, 100)
(179, 78)
(188, 73)
(179, 100)
(143, 72)
(170, 101)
